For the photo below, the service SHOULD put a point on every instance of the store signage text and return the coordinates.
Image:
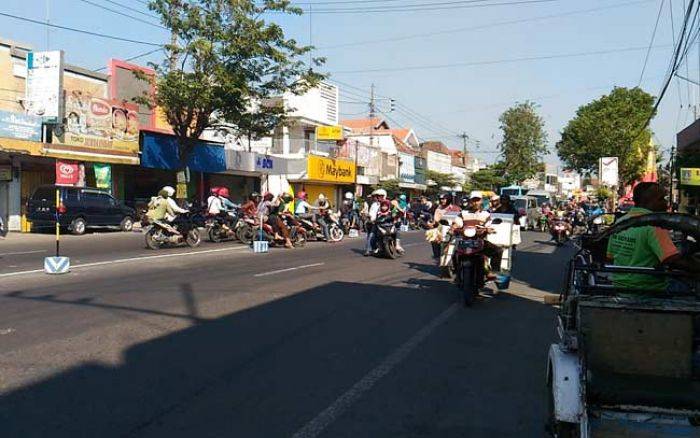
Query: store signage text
(326, 169)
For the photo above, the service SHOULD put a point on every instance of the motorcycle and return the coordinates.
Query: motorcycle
(314, 230)
(543, 223)
(385, 235)
(3, 228)
(560, 229)
(468, 264)
(297, 233)
(182, 230)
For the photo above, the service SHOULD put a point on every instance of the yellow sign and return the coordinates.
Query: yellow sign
(690, 176)
(326, 169)
(181, 191)
(329, 132)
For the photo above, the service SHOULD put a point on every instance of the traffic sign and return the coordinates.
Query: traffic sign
(56, 265)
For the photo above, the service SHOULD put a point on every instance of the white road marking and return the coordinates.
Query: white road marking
(279, 271)
(130, 259)
(6, 331)
(23, 252)
(316, 426)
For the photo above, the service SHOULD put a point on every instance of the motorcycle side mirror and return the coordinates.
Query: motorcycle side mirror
(497, 221)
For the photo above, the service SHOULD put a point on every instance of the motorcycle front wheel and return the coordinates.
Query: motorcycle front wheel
(335, 233)
(193, 238)
(214, 235)
(246, 234)
(468, 286)
(151, 242)
(390, 249)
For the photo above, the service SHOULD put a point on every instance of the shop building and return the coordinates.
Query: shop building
(687, 167)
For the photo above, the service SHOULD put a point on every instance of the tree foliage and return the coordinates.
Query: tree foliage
(390, 185)
(440, 180)
(524, 142)
(485, 179)
(609, 127)
(226, 64)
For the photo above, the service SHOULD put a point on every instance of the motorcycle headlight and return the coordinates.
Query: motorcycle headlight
(470, 232)
(598, 220)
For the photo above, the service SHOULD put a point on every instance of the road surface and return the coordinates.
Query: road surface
(317, 341)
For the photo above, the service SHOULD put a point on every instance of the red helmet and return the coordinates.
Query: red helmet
(223, 191)
(215, 190)
(385, 203)
(301, 195)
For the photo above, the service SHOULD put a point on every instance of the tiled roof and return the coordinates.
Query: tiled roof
(435, 146)
(403, 147)
(360, 124)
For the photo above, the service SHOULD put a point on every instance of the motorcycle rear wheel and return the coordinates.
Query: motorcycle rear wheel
(151, 243)
(214, 235)
(193, 238)
(335, 233)
(468, 286)
(246, 234)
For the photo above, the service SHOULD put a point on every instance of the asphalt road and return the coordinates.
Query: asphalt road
(317, 341)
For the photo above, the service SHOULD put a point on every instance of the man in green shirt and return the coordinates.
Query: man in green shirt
(644, 246)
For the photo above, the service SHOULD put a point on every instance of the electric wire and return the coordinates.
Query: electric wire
(651, 43)
(423, 7)
(140, 20)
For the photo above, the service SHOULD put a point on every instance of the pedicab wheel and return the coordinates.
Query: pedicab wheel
(556, 428)
(246, 234)
(193, 238)
(468, 286)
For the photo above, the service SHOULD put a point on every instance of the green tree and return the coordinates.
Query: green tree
(440, 180)
(391, 186)
(485, 179)
(610, 127)
(524, 142)
(223, 66)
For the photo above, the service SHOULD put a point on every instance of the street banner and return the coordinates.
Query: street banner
(44, 85)
(690, 176)
(67, 173)
(608, 171)
(103, 176)
(329, 132)
(20, 126)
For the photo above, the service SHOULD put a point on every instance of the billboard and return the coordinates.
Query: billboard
(20, 126)
(329, 170)
(44, 85)
(608, 171)
(690, 176)
(329, 132)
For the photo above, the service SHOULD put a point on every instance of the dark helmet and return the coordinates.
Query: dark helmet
(464, 202)
(268, 196)
(253, 196)
(287, 197)
(445, 196)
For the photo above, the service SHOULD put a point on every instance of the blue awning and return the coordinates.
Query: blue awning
(160, 151)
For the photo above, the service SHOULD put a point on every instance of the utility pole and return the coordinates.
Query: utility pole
(174, 15)
(464, 138)
(48, 20)
(672, 173)
(372, 114)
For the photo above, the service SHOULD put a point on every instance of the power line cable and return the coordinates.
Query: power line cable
(499, 61)
(423, 7)
(135, 57)
(140, 20)
(72, 29)
(651, 43)
(479, 27)
(133, 9)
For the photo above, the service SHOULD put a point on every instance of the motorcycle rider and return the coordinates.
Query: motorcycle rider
(378, 196)
(506, 207)
(250, 207)
(324, 208)
(164, 208)
(214, 205)
(445, 207)
(476, 214)
(349, 210)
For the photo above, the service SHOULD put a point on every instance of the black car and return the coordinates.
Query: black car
(79, 208)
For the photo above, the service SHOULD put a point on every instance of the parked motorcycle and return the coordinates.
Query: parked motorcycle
(385, 235)
(182, 230)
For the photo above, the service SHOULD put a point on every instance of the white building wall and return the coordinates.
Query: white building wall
(438, 162)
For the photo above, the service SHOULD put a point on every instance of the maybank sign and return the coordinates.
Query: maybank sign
(329, 170)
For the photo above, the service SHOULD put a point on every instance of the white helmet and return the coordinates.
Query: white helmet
(476, 194)
(349, 195)
(169, 191)
(379, 192)
(321, 197)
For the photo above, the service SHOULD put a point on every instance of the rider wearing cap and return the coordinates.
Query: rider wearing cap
(475, 214)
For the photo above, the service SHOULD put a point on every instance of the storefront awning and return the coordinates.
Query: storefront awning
(160, 151)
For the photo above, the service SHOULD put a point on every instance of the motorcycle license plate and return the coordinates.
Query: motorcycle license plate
(468, 244)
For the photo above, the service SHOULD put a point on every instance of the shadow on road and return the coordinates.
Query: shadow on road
(267, 370)
(544, 271)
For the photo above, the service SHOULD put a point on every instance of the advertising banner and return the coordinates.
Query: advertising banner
(20, 126)
(329, 170)
(329, 132)
(99, 125)
(608, 171)
(67, 173)
(690, 176)
(44, 85)
(103, 176)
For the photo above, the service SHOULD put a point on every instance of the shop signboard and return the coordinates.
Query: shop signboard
(99, 125)
(246, 161)
(5, 172)
(690, 176)
(20, 126)
(334, 132)
(44, 85)
(608, 171)
(103, 176)
(329, 170)
(67, 173)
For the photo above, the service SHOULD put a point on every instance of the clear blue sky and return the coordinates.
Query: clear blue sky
(459, 98)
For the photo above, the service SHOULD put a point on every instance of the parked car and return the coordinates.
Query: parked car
(526, 206)
(79, 208)
(542, 196)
